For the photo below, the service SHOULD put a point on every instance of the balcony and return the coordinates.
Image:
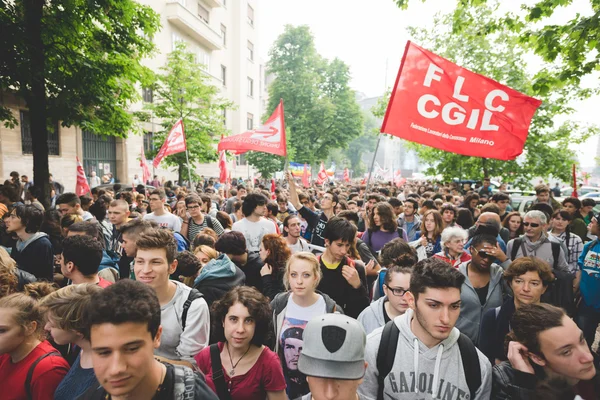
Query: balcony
(192, 25)
(213, 3)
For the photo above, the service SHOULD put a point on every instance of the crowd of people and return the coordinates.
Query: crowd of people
(243, 292)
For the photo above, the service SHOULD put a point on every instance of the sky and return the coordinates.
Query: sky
(370, 36)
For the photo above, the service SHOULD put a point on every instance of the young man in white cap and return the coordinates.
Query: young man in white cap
(333, 358)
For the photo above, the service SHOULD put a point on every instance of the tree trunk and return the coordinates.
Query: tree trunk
(180, 173)
(36, 97)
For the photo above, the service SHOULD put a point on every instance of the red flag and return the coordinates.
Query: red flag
(222, 167)
(174, 143)
(305, 178)
(145, 169)
(273, 185)
(439, 104)
(82, 186)
(574, 194)
(346, 175)
(269, 138)
(322, 176)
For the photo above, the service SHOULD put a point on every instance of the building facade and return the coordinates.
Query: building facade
(223, 36)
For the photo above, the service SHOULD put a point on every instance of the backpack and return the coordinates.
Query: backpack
(182, 242)
(387, 353)
(194, 294)
(560, 292)
(381, 280)
(32, 368)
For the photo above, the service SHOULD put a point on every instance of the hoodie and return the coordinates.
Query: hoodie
(412, 233)
(35, 256)
(438, 370)
(471, 310)
(541, 249)
(218, 277)
(372, 317)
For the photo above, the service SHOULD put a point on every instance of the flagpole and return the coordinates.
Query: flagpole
(372, 165)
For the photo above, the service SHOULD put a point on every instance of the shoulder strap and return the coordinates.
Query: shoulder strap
(217, 373)
(555, 253)
(209, 222)
(32, 368)
(194, 294)
(386, 354)
(470, 361)
(381, 280)
(515, 249)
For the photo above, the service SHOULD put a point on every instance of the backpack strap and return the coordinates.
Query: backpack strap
(515, 248)
(386, 354)
(470, 361)
(32, 368)
(218, 377)
(194, 294)
(555, 253)
(380, 281)
(209, 222)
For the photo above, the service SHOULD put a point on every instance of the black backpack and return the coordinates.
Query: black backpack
(387, 353)
(194, 294)
(560, 292)
(32, 368)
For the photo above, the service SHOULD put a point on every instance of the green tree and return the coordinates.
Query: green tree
(183, 90)
(266, 164)
(321, 112)
(75, 61)
(500, 57)
(363, 144)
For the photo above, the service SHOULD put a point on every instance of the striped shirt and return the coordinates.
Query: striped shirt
(574, 249)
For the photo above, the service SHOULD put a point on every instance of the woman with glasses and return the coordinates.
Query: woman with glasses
(198, 220)
(395, 285)
(453, 242)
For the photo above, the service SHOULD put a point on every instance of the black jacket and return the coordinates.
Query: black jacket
(214, 289)
(24, 278)
(333, 283)
(252, 271)
(493, 330)
(36, 258)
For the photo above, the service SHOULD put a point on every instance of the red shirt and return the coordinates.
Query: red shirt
(103, 283)
(46, 376)
(265, 376)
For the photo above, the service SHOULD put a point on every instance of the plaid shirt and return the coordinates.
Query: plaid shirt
(574, 247)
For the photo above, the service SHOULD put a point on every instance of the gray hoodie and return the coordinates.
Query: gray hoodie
(372, 317)
(439, 369)
(541, 249)
(471, 310)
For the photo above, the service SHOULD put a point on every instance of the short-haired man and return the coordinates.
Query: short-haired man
(129, 234)
(316, 221)
(449, 214)
(333, 358)
(577, 225)
(239, 194)
(124, 322)
(587, 205)
(233, 244)
(254, 226)
(502, 200)
(69, 203)
(80, 259)
(489, 223)
(397, 206)
(486, 189)
(410, 220)
(542, 194)
(429, 350)
(344, 279)
(185, 329)
(292, 229)
(108, 268)
(535, 243)
(159, 215)
(118, 215)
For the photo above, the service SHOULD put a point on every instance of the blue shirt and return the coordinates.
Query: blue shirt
(589, 264)
(76, 382)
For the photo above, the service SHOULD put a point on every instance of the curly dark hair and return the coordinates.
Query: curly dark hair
(398, 252)
(386, 217)
(258, 306)
(279, 253)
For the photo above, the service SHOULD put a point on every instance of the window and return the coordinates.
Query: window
(224, 35)
(224, 115)
(26, 141)
(224, 75)
(250, 51)
(250, 15)
(148, 142)
(147, 95)
(175, 39)
(203, 13)
(203, 58)
(250, 87)
(250, 121)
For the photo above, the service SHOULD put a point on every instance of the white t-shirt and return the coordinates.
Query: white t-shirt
(168, 220)
(301, 245)
(254, 231)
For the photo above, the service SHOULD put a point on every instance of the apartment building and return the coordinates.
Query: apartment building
(222, 33)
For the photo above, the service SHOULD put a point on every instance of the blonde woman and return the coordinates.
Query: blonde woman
(291, 312)
(65, 310)
(7, 264)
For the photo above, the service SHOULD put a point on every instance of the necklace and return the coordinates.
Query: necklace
(232, 370)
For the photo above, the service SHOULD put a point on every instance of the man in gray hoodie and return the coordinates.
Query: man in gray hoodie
(428, 360)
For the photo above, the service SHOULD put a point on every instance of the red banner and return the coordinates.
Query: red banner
(574, 194)
(81, 187)
(322, 176)
(439, 104)
(145, 169)
(269, 138)
(174, 143)
(346, 175)
(222, 167)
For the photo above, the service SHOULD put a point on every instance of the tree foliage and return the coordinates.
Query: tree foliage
(75, 61)
(321, 112)
(183, 90)
(266, 164)
(498, 55)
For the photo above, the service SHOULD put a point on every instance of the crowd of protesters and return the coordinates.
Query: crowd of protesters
(243, 292)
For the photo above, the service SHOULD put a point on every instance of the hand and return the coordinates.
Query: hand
(181, 213)
(423, 240)
(518, 355)
(351, 276)
(289, 177)
(266, 270)
(372, 268)
(495, 252)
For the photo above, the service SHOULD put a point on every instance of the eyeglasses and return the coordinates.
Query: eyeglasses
(192, 207)
(397, 291)
(532, 224)
(484, 254)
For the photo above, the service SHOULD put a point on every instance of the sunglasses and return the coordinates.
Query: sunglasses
(483, 254)
(532, 224)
